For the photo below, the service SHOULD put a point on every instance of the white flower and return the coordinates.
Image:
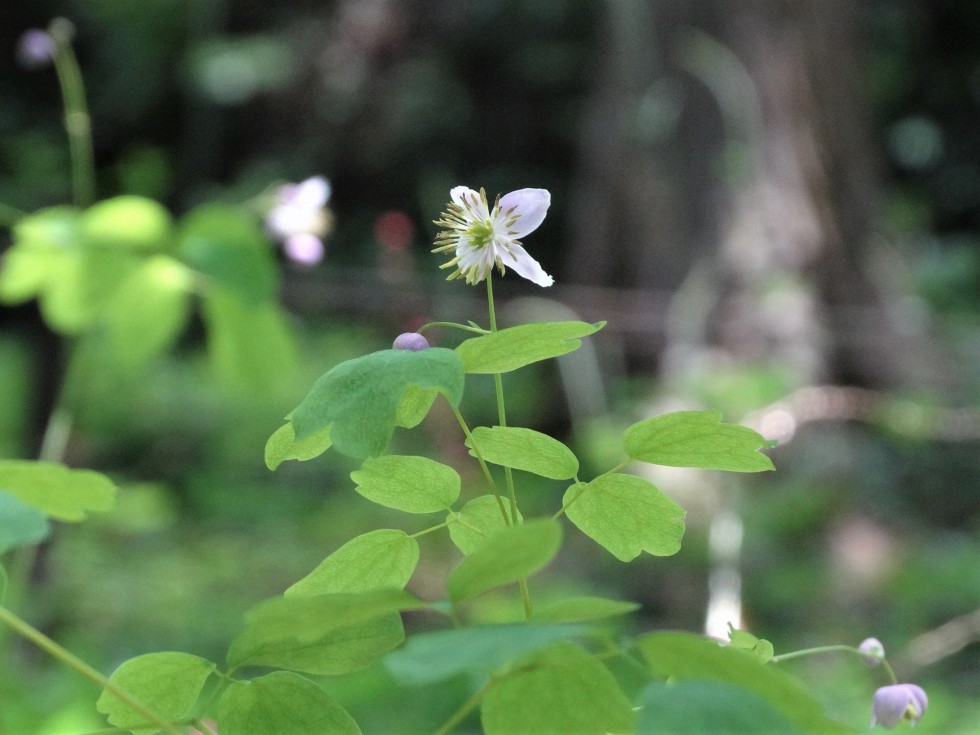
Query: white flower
(893, 704)
(299, 218)
(483, 238)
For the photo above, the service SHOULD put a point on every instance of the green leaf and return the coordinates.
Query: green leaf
(696, 439)
(168, 683)
(479, 519)
(560, 690)
(513, 348)
(359, 399)
(626, 515)
(430, 657)
(509, 554)
(524, 449)
(742, 640)
(322, 634)
(127, 222)
(283, 445)
(20, 524)
(227, 246)
(42, 241)
(688, 657)
(61, 493)
(381, 559)
(698, 707)
(410, 484)
(282, 703)
(4, 579)
(414, 406)
(576, 609)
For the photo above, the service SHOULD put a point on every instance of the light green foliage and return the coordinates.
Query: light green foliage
(3, 583)
(381, 559)
(699, 707)
(20, 524)
(409, 484)
(508, 555)
(414, 405)
(432, 657)
(127, 222)
(359, 399)
(576, 609)
(686, 657)
(475, 523)
(560, 690)
(322, 634)
(60, 493)
(168, 683)
(516, 347)
(282, 703)
(283, 445)
(742, 640)
(696, 439)
(524, 449)
(626, 515)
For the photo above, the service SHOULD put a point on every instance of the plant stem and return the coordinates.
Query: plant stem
(38, 638)
(454, 325)
(483, 466)
(828, 649)
(78, 124)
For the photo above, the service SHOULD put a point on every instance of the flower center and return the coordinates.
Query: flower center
(481, 233)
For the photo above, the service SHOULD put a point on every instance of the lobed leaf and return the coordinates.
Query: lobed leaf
(742, 640)
(168, 683)
(407, 483)
(515, 347)
(283, 445)
(696, 439)
(60, 493)
(283, 703)
(509, 554)
(559, 690)
(626, 515)
(21, 524)
(479, 519)
(524, 449)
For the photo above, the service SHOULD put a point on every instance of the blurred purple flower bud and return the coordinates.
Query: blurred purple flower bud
(410, 341)
(893, 704)
(304, 248)
(35, 49)
(872, 652)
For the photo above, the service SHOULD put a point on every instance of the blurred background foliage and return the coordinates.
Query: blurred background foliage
(775, 204)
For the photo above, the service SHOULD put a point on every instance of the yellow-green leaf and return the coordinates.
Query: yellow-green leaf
(523, 449)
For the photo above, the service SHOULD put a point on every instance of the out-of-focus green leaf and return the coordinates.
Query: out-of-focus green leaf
(479, 519)
(61, 493)
(282, 703)
(760, 648)
(515, 347)
(41, 241)
(696, 439)
(509, 554)
(127, 222)
(168, 683)
(283, 445)
(575, 609)
(21, 524)
(559, 690)
(227, 246)
(699, 707)
(406, 483)
(524, 449)
(687, 657)
(3, 583)
(626, 515)
(414, 406)
(359, 399)
(430, 657)
(381, 559)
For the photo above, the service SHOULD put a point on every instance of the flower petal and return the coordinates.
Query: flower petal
(304, 248)
(531, 206)
(460, 193)
(312, 193)
(516, 257)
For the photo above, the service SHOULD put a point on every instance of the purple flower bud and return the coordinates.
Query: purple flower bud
(893, 704)
(872, 652)
(304, 248)
(410, 341)
(35, 49)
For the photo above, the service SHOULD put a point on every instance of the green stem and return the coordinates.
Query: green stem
(38, 638)
(78, 124)
(453, 325)
(459, 715)
(483, 465)
(428, 530)
(829, 649)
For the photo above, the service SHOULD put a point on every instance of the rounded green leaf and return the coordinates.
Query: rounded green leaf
(282, 703)
(410, 484)
(524, 449)
(626, 515)
(283, 445)
(381, 559)
(129, 222)
(696, 439)
(698, 707)
(42, 241)
(479, 519)
(575, 609)
(513, 348)
(414, 405)
(559, 690)
(168, 683)
(21, 524)
(509, 554)
(61, 493)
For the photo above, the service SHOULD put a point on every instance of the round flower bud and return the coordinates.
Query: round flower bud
(410, 341)
(898, 702)
(35, 49)
(872, 652)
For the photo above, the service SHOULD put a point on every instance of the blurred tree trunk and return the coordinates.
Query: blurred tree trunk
(727, 153)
